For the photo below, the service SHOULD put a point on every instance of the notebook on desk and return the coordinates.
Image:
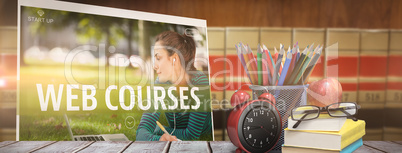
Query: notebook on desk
(100, 137)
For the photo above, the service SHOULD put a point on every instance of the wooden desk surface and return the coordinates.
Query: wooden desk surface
(158, 146)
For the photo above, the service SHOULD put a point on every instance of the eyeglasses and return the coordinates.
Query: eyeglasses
(309, 112)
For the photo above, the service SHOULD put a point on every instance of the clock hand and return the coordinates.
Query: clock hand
(253, 127)
(262, 127)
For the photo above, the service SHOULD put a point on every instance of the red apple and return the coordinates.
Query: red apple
(324, 92)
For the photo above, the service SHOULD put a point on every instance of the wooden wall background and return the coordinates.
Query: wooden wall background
(385, 14)
(274, 13)
(365, 14)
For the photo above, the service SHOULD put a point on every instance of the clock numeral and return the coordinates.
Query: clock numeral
(273, 126)
(272, 119)
(262, 112)
(249, 136)
(249, 120)
(255, 140)
(255, 113)
(267, 114)
(267, 139)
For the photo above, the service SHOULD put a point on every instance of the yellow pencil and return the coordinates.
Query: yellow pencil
(163, 129)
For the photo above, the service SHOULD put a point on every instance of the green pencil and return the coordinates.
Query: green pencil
(306, 62)
(310, 66)
(297, 67)
(259, 64)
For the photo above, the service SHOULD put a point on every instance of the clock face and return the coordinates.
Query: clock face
(261, 126)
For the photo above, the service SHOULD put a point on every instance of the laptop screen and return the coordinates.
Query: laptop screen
(112, 71)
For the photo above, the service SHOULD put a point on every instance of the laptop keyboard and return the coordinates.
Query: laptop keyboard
(90, 138)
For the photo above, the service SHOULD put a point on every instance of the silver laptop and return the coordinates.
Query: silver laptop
(100, 137)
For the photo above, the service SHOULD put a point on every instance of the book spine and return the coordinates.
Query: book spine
(343, 59)
(372, 78)
(354, 134)
(216, 48)
(393, 107)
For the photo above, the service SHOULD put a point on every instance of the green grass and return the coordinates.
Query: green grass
(37, 125)
(46, 127)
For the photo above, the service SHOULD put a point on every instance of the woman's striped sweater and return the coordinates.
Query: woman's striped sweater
(189, 126)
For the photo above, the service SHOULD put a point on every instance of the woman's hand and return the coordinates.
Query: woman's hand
(167, 137)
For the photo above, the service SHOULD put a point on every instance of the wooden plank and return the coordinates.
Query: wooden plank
(146, 146)
(222, 147)
(384, 146)
(106, 146)
(366, 149)
(65, 146)
(398, 142)
(26, 146)
(5, 143)
(189, 146)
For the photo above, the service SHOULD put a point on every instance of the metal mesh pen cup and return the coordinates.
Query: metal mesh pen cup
(287, 98)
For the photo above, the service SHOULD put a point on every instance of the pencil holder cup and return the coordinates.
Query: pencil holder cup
(287, 98)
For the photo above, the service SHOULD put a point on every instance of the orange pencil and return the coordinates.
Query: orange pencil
(253, 63)
(248, 65)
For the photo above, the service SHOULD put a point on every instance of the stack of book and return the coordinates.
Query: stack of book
(325, 134)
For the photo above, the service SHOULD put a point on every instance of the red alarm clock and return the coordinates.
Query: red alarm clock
(254, 126)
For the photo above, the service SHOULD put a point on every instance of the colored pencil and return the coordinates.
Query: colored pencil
(301, 71)
(285, 69)
(253, 63)
(265, 68)
(298, 53)
(311, 66)
(293, 62)
(276, 54)
(297, 67)
(242, 61)
(315, 50)
(284, 59)
(289, 67)
(277, 66)
(247, 62)
(259, 65)
(310, 49)
(270, 62)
